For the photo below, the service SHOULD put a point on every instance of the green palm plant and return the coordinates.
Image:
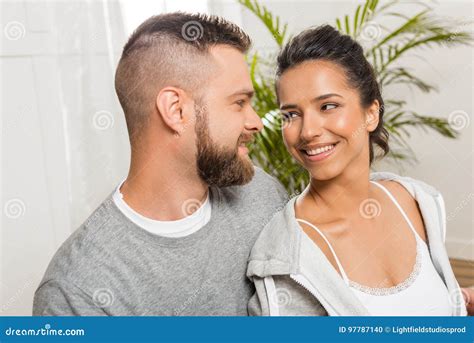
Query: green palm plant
(385, 48)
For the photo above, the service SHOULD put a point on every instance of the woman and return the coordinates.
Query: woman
(354, 242)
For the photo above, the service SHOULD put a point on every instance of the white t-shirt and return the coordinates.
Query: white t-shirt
(173, 228)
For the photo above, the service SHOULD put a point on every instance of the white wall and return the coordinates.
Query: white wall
(64, 142)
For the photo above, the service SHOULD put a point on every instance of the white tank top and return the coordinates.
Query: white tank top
(423, 293)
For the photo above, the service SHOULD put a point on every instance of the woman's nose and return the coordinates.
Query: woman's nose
(312, 127)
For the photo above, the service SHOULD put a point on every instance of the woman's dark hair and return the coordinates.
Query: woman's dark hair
(326, 43)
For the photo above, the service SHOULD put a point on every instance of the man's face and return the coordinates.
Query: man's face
(226, 121)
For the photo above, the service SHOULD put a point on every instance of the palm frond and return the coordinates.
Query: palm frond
(421, 30)
(362, 15)
(271, 22)
(401, 75)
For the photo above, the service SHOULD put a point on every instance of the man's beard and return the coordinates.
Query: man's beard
(219, 166)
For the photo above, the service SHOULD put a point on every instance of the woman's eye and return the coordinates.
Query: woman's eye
(288, 115)
(241, 103)
(327, 107)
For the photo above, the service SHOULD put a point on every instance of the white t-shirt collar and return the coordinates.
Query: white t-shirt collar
(175, 228)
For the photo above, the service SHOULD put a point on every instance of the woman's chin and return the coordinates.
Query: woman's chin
(323, 173)
(322, 176)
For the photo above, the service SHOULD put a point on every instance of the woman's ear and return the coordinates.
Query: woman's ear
(169, 104)
(372, 116)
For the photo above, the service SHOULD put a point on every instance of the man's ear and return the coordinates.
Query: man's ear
(169, 104)
(372, 116)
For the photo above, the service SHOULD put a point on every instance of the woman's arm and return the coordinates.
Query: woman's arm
(468, 294)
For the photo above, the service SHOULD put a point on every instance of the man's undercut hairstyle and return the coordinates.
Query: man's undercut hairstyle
(169, 50)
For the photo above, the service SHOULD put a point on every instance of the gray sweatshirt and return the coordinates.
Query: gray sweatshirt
(292, 276)
(110, 266)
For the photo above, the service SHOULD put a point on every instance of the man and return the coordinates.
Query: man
(174, 237)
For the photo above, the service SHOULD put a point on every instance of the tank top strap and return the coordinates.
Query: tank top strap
(339, 265)
(398, 206)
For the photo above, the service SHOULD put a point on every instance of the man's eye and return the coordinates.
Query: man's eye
(327, 107)
(241, 103)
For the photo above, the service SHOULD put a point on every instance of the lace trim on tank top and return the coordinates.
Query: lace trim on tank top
(380, 291)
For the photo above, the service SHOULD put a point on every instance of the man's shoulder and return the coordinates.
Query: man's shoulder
(262, 186)
(80, 254)
(251, 206)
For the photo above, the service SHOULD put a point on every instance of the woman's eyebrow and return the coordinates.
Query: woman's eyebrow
(325, 96)
(319, 98)
(285, 107)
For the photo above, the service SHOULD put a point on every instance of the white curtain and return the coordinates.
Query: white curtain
(64, 139)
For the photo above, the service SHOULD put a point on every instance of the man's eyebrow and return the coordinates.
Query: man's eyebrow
(248, 92)
(319, 98)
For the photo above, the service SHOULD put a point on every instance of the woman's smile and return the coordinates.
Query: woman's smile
(318, 153)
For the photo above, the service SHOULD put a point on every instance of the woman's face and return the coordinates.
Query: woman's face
(326, 129)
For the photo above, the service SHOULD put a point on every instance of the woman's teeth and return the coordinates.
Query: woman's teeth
(320, 150)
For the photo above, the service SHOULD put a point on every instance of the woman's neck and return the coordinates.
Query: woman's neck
(340, 196)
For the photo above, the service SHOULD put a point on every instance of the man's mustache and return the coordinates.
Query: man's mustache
(246, 138)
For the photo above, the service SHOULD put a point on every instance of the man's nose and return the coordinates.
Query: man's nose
(253, 121)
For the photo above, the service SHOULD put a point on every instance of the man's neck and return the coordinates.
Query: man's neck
(163, 193)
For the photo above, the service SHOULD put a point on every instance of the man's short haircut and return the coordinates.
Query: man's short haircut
(169, 50)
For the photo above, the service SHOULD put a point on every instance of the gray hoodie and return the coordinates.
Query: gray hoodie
(292, 276)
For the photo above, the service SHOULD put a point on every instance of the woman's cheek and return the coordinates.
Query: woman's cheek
(345, 125)
(291, 131)
(291, 134)
(287, 139)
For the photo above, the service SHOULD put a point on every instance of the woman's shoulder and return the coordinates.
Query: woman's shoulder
(279, 225)
(277, 238)
(402, 189)
(405, 182)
